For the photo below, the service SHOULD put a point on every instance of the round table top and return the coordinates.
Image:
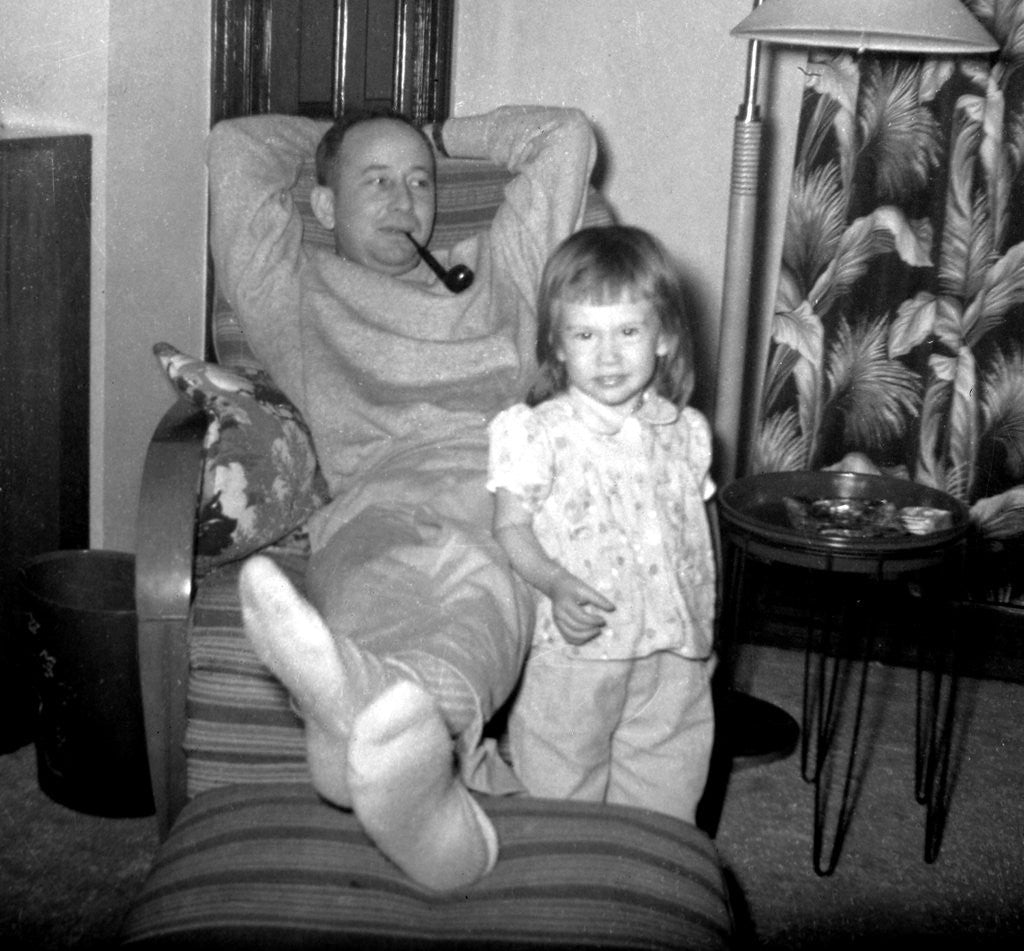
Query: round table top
(762, 505)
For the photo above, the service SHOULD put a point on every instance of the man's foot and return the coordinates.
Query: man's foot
(330, 680)
(407, 795)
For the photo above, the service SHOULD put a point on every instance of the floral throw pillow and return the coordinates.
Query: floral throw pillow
(261, 480)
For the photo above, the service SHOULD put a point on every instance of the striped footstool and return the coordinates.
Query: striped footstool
(256, 859)
(272, 866)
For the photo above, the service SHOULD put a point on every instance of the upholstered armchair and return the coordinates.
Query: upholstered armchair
(249, 855)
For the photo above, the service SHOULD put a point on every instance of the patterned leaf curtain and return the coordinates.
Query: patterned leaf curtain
(898, 328)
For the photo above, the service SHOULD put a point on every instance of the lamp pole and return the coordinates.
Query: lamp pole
(738, 278)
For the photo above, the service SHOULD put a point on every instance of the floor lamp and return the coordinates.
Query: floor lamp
(939, 27)
(756, 730)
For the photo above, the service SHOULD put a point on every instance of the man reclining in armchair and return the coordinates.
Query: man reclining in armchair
(418, 629)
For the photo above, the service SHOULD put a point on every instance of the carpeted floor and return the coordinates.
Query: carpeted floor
(67, 878)
(972, 896)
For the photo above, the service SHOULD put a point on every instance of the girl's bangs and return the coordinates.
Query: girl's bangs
(619, 287)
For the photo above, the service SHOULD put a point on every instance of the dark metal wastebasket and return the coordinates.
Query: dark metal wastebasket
(79, 609)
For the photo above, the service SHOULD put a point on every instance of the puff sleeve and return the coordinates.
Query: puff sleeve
(519, 459)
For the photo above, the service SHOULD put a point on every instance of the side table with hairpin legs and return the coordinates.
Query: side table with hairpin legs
(861, 539)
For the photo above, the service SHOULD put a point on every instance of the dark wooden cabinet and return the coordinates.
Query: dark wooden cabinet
(44, 350)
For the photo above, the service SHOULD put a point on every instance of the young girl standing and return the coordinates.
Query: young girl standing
(600, 490)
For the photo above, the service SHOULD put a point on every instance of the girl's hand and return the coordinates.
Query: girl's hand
(572, 604)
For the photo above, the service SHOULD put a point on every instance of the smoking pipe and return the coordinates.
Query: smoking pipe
(457, 279)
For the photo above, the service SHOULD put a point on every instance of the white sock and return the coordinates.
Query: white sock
(408, 796)
(330, 678)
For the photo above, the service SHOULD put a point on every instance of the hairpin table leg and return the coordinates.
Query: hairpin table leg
(935, 717)
(830, 666)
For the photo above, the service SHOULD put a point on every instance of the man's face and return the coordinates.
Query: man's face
(383, 189)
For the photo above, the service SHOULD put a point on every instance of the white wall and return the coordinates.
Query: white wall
(134, 74)
(660, 79)
(158, 119)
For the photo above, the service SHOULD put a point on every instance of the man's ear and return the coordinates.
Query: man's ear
(321, 200)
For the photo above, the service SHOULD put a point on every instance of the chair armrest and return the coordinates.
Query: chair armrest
(165, 544)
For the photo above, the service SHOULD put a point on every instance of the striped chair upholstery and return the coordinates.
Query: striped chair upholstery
(241, 727)
(272, 867)
(256, 859)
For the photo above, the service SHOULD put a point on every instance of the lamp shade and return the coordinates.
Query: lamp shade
(901, 26)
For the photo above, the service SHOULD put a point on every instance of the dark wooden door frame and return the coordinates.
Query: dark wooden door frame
(241, 37)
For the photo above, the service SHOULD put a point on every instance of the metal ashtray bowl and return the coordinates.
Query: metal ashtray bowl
(844, 517)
